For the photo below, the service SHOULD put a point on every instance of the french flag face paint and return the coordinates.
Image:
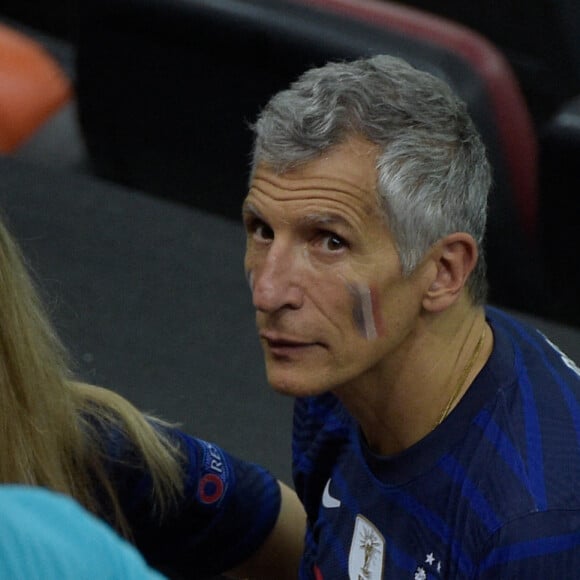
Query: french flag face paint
(366, 312)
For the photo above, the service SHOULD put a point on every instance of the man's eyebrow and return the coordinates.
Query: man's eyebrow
(325, 219)
(250, 210)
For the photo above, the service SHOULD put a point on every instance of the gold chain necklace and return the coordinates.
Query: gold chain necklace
(461, 382)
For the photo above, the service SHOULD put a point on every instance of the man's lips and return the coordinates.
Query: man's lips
(277, 341)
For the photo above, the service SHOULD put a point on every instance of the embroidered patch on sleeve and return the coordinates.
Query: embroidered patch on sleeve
(214, 475)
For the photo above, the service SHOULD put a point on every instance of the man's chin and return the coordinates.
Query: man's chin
(292, 384)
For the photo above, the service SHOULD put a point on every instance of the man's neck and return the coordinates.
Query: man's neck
(408, 395)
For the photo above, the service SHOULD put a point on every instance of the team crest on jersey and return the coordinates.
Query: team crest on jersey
(367, 550)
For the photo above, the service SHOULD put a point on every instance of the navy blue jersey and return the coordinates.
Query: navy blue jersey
(228, 509)
(493, 492)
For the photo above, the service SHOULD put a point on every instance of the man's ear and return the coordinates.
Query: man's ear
(454, 258)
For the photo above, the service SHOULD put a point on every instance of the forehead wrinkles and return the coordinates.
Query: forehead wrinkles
(321, 194)
(296, 183)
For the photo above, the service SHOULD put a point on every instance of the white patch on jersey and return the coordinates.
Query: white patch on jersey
(565, 358)
(367, 551)
(328, 501)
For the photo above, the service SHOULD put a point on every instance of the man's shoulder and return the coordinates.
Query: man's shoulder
(534, 354)
(532, 429)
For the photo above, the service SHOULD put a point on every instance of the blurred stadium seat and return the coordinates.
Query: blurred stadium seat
(540, 38)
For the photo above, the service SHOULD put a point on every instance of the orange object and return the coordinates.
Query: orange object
(32, 88)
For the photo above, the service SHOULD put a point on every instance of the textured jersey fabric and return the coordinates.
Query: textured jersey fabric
(228, 509)
(493, 492)
(48, 536)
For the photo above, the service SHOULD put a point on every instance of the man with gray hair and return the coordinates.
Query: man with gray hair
(434, 436)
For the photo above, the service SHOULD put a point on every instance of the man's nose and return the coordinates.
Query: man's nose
(276, 281)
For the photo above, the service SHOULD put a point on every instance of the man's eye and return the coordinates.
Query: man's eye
(261, 231)
(332, 242)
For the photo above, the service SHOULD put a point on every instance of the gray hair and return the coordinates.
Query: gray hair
(433, 176)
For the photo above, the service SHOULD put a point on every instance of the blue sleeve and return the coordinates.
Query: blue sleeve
(539, 545)
(228, 509)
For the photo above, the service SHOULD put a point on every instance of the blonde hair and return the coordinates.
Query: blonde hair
(51, 427)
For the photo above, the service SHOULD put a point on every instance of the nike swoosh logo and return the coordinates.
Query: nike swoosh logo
(327, 500)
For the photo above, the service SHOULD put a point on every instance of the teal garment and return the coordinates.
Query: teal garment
(48, 536)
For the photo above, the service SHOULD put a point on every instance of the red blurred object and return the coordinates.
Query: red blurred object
(33, 87)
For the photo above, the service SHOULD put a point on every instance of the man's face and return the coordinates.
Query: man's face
(332, 306)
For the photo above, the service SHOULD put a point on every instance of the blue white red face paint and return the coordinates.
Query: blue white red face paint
(365, 311)
(365, 308)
